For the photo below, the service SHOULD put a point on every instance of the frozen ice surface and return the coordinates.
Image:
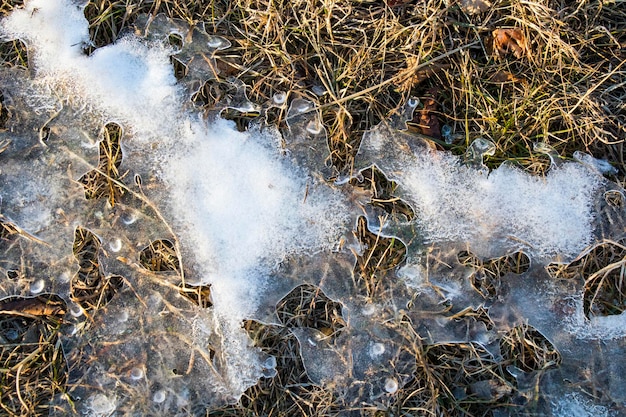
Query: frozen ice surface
(494, 213)
(575, 405)
(252, 216)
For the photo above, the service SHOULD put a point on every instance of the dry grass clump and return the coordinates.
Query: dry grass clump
(104, 180)
(602, 271)
(487, 275)
(90, 287)
(290, 392)
(33, 365)
(359, 61)
(527, 349)
(307, 306)
(380, 256)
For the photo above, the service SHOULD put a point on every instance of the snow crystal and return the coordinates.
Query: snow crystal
(495, 213)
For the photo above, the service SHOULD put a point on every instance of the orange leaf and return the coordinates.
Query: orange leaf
(510, 41)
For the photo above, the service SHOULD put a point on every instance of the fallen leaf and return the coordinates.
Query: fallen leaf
(475, 6)
(510, 41)
(505, 77)
(428, 121)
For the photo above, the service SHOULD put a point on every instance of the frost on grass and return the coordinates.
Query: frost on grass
(250, 217)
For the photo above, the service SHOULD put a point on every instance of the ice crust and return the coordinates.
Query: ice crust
(253, 217)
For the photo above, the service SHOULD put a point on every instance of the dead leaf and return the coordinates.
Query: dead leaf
(428, 121)
(36, 306)
(409, 77)
(510, 41)
(475, 6)
(505, 77)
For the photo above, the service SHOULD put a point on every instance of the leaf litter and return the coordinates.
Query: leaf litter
(219, 197)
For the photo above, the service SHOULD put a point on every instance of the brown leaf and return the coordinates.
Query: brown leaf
(475, 6)
(36, 306)
(428, 121)
(505, 77)
(510, 41)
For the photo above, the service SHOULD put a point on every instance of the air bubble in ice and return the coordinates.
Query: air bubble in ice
(391, 385)
(159, 396)
(314, 127)
(76, 310)
(101, 405)
(136, 374)
(219, 43)
(129, 218)
(116, 245)
(123, 316)
(377, 349)
(279, 98)
(65, 276)
(37, 286)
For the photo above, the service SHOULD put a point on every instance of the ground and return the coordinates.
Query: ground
(516, 73)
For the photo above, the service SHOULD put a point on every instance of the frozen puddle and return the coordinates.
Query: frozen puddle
(250, 215)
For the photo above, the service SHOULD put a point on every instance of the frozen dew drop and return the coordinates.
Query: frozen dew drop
(413, 102)
(391, 385)
(11, 334)
(269, 367)
(446, 133)
(477, 151)
(318, 90)
(136, 374)
(159, 396)
(115, 245)
(270, 362)
(377, 349)
(279, 98)
(37, 286)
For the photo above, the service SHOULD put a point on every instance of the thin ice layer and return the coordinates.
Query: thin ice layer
(237, 205)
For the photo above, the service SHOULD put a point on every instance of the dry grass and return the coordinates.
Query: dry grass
(360, 61)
